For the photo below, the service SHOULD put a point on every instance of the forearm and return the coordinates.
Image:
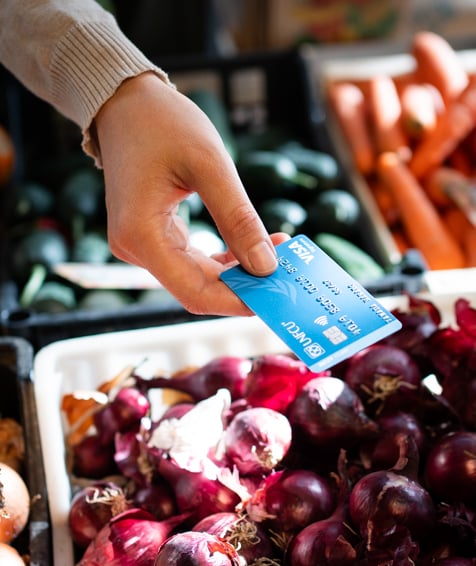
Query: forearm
(69, 53)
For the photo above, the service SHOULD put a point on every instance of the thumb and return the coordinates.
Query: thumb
(240, 226)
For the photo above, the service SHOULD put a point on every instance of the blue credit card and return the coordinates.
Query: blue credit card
(319, 311)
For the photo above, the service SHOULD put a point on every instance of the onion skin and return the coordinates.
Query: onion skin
(91, 509)
(196, 494)
(223, 372)
(289, 500)
(384, 377)
(196, 549)
(257, 439)
(328, 413)
(93, 459)
(250, 540)
(325, 543)
(450, 468)
(9, 556)
(129, 539)
(275, 380)
(14, 503)
(385, 499)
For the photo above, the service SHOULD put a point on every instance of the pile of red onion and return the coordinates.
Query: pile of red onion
(267, 463)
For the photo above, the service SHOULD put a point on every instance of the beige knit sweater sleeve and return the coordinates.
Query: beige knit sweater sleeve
(70, 53)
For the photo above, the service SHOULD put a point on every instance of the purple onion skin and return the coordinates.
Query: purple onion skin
(248, 537)
(295, 498)
(129, 539)
(329, 421)
(383, 498)
(275, 380)
(450, 468)
(91, 508)
(257, 439)
(92, 459)
(385, 377)
(383, 452)
(129, 406)
(224, 372)
(196, 549)
(329, 542)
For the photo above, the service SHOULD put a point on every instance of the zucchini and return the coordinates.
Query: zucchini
(269, 173)
(91, 248)
(350, 257)
(33, 200)
(217, 112)
(336, 211)
(54, 297)
(282, 215)
(321, 165)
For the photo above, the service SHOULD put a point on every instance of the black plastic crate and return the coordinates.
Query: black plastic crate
(18, 402)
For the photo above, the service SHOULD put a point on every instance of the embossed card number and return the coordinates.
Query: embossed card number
(319, 311)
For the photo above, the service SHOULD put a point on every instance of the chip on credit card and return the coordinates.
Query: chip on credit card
(317, 309)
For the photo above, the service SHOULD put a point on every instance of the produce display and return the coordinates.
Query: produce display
(259, 461)
(411, 135)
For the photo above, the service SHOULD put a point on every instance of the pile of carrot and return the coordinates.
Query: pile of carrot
(413, 138)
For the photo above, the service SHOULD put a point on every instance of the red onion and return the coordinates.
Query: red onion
(329, 541)
(275, 380)
(289, 500)
(91, 508)
(257, 439)
(121, 414)
(450, 468)
(157, 498)
(385, 500)
(384, 377)
(383, 451)
(328, 413)
(224, 372)
(249, 538)
(192, 548)
(93, 459)
(131, 538)
(195, 492)
(176, 411)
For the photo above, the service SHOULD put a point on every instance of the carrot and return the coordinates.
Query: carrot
(461, 161)
(385, 112)
(348, 103)
(451, 128)
(419, 111)
(385, 202)
(457, 223)
(439, 64)
(422, 223)
(439, 182)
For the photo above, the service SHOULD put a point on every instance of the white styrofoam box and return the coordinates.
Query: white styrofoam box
(84, 363)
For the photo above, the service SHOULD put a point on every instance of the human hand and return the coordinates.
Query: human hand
(156, 148)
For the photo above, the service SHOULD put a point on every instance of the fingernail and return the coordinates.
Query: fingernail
(262, 258)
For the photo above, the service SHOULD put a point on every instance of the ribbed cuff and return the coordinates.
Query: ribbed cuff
(89, 64)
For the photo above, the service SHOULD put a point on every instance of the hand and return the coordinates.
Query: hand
(156, 148)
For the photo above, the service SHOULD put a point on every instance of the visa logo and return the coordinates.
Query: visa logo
(301, 251)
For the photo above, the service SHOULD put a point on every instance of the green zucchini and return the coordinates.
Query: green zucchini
(269, 173)
(336, 211)
(350, 257)
(282, 215)
(217, 112)
(323, 166)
